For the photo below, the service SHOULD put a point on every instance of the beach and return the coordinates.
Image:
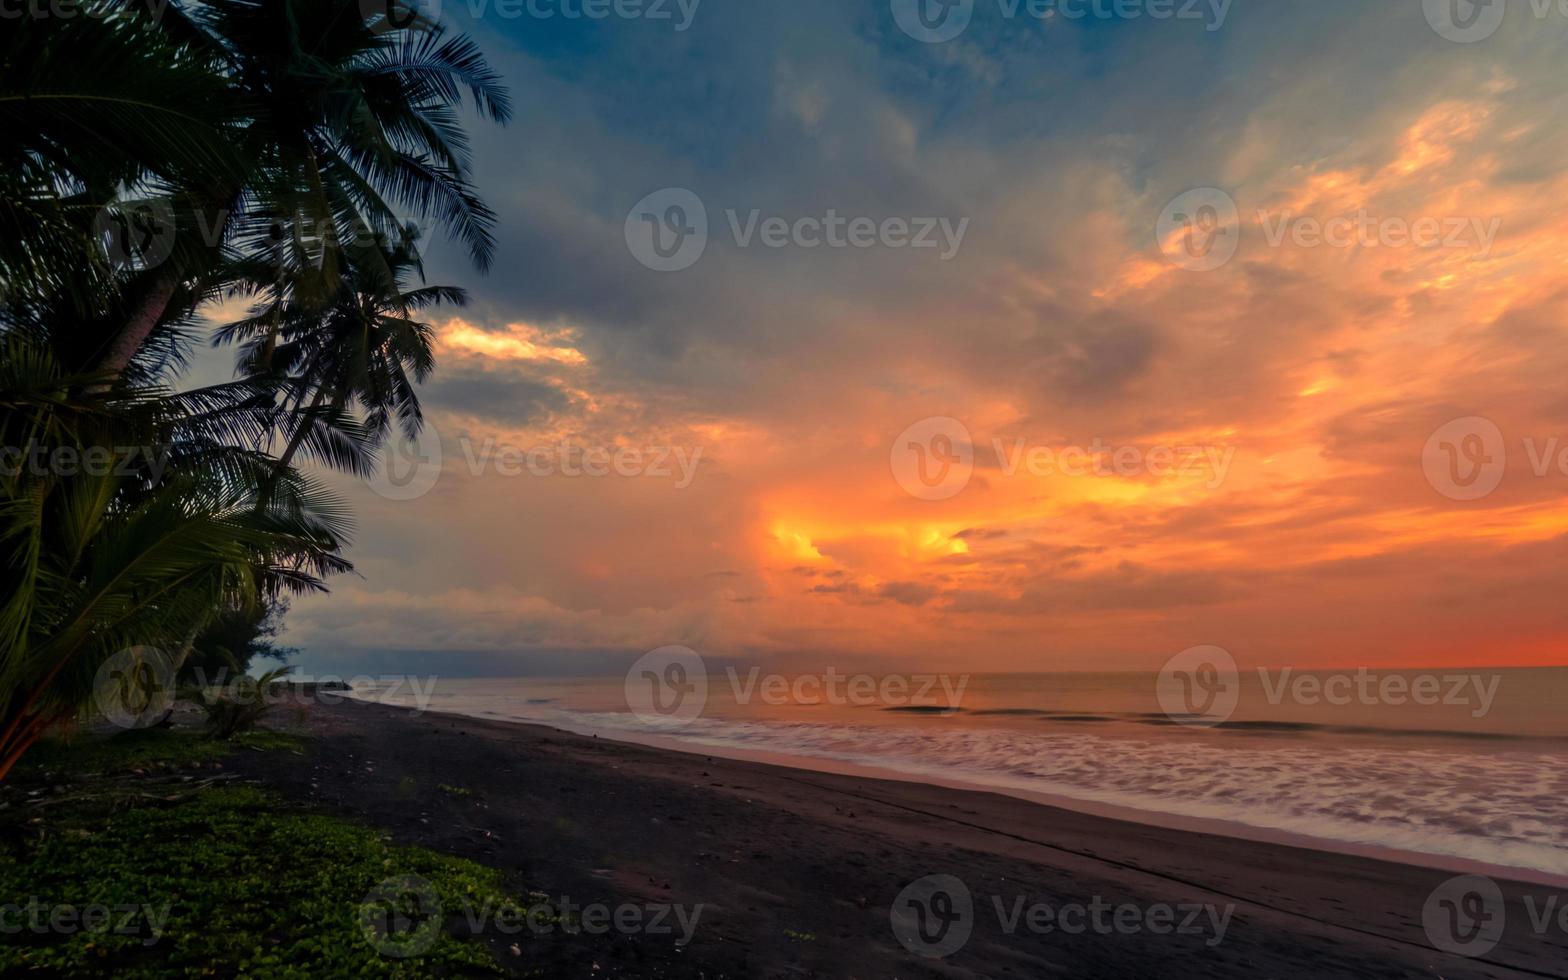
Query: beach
(762, 870)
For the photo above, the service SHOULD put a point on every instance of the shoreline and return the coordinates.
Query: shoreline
(1214, 826)
(798, 871)
(1218, 826)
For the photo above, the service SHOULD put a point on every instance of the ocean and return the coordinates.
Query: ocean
(1468, 764)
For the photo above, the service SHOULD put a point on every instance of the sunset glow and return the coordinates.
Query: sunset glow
(1400, 270)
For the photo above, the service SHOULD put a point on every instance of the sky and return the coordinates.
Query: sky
(1240, 328)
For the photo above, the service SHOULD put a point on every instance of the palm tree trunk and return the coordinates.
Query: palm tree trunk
(21, 731)
(144, 318)
(300, 431)
(11, 753)
(158, 291)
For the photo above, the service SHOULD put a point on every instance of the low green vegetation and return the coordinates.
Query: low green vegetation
(147, 871)
(148, 748)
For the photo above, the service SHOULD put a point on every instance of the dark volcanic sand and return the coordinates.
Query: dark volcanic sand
(796, 871)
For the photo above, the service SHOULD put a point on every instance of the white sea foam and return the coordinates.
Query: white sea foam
(1502, 807)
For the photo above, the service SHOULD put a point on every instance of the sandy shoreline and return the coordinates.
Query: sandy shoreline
(1201, 825)
(796, 871)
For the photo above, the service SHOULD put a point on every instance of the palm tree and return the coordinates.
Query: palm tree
(95, 109)
(276, 137)
(349, 369)
(129, 551)
(345, 120)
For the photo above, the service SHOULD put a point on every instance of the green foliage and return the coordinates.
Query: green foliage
(92, 103)
(86, 755)
(280, 145)
(233, 639)
(145, 748)
(239, 705)
(251, 889)
(140, 550)
(348, 363)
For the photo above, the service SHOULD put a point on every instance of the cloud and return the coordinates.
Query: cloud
(1322, 370)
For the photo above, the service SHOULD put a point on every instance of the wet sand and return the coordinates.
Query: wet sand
(795, 872)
